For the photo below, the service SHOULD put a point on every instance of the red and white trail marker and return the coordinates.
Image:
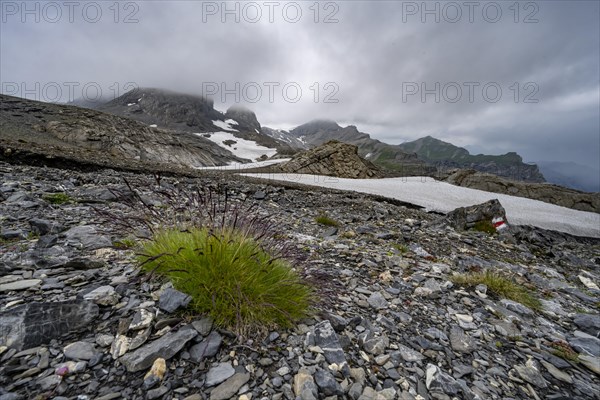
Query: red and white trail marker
(499, 223)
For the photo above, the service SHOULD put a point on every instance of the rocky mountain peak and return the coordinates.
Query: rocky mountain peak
(245, 117)
(166, 109)
(315, 126)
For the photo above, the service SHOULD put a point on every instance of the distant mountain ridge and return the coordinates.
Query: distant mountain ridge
(444, 154)
(387, 156)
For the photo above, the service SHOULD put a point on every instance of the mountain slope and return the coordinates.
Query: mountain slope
(95, 137)
(390, 157)
(440, 153)
(189, 113)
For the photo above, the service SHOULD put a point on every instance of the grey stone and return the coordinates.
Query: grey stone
(438, 381)
(355, 391)
(165, 347)
(203, 325)
(259, 195)
(156, 393)
(325, 337)
(141, 320)
(12, 234)
(11, 396)
(530, 372)
(218, 374)
(88, 237)
(589, 323)
(104, 296)
(49, 382)
(517, 307)
(557, 373)
(331, 231)
(171, 299)
(327, 383)
(44, 226)
(304, 385)
(460, 341)
(377, 301)
(375, 345)
(338, 323)
(593, 363)
(34, 324)
(207, 348)
(230, 387)
(586, 345)
(20, 285)
(79, 350)
(408, 354)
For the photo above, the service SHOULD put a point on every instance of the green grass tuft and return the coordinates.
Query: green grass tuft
(57, 198)
(403, 249)
(325, 220)
(485, 226)
(125, 243)
(229, 277)
(499, 285)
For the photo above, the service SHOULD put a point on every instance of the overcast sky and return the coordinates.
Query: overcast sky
(374, 58)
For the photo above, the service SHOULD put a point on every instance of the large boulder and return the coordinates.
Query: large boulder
(332, 159)
(488, 216)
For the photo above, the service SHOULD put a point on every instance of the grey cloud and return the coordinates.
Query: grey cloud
(368, 54)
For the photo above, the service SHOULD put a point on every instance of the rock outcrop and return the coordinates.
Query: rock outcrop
(332, 159)
(545, 192)
(90, 136)
(489, 216)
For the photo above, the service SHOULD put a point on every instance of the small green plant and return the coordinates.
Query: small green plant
(230, 277)
(33, 235)
(125, 243)
(564, 351)
(499, 285)
(498, 344)
(323, 219)
(400, 247)
(485, 226)
(57, 198)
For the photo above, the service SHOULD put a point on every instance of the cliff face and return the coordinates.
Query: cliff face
(446, 155)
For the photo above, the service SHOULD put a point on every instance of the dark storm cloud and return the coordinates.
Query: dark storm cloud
(370, 57)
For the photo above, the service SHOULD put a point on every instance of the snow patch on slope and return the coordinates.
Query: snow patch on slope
(242, 148)
(226, 125)
(444, 197)
(238, 166)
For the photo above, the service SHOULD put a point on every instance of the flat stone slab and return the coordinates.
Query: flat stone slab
(34, 324)
(165, 347)
(19, 285)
